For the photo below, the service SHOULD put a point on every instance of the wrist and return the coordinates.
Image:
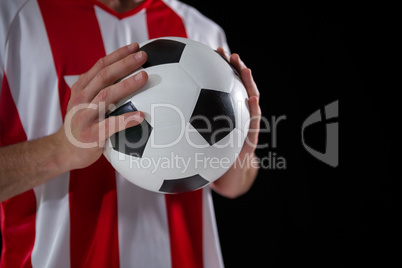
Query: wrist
(61, 152)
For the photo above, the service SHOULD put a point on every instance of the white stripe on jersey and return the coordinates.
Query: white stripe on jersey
(52, 238)
(143, 227)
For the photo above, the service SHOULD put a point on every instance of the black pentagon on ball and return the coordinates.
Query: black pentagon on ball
(163, 51)
(213, 116)
(131, 141)
(183, 185)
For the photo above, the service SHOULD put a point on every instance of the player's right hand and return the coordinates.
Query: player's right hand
(85, 128)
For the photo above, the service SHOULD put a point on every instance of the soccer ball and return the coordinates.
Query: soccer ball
(196, 119)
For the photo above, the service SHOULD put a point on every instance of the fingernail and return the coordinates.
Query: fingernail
(131, 46)
(138, 55)
(138, 76)
(139, 116)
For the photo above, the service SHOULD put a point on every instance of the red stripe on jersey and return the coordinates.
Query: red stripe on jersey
(163, 21)
(184, 210)
(18, 214)
(77, 44)
(185, 227)
(93, 213)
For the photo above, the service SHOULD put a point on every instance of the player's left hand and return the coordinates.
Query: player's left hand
(253, 102)
(240, 177)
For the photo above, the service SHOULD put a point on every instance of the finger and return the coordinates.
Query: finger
(109, 59)
(237, 63)
(255, 112)
(124, 88)
(115, 124)
(110, 74)
(246, 75)
(249, 83)
(254, 127)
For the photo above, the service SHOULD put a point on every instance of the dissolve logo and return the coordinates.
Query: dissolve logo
(331, 114)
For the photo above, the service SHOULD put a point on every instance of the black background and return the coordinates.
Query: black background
(305, 55)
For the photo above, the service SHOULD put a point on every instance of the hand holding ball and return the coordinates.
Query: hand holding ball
(196, 119)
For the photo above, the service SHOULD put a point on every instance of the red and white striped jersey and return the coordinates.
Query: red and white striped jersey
(91, 217)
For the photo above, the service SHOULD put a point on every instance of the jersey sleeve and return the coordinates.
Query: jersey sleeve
(8, 11)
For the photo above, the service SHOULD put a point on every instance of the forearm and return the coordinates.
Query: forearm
(239, 178)
(26, 165)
